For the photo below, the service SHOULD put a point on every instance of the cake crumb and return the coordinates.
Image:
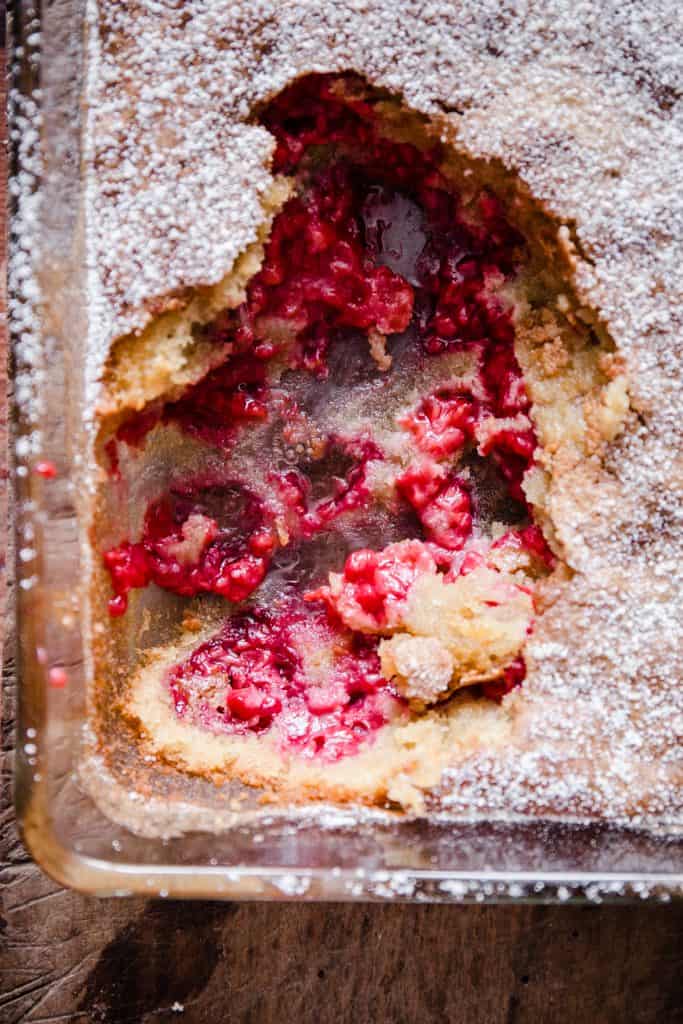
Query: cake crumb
(378, 349)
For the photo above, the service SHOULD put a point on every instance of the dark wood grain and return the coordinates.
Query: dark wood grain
(66, 957)
(69, 957)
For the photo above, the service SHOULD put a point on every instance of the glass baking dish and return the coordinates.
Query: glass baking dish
(332, 854)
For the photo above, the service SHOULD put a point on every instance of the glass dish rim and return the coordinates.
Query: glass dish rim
(106, 878)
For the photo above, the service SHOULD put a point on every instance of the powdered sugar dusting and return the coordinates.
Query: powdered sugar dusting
(23, 292)
(584, 102)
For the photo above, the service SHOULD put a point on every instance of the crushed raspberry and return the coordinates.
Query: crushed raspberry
(447, 519)
(502, 377)
(442, 503)
(128, 567)
(442, 423)
(250, 702)
(511, 449)
(184, 549)
(513, 452)
(513, 676)
(134, 430)
(369, 593)
(318, 276)
(314, 111)
(260, 671)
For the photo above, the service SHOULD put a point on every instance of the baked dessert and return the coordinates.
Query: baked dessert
(376, 467)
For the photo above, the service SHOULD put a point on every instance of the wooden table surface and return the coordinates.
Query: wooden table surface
(68, 957)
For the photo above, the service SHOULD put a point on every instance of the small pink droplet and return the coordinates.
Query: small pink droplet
(46, 469)
(58, 678)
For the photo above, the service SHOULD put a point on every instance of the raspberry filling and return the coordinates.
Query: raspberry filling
(374, 584)
(196, 539)
(213, 410)
(375, 242)
(318, 684)
(336, 261)
(231, 396)
(442, 423)
(348, 485)
(442, 503)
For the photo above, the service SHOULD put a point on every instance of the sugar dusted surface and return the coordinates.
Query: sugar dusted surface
(584, 102)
